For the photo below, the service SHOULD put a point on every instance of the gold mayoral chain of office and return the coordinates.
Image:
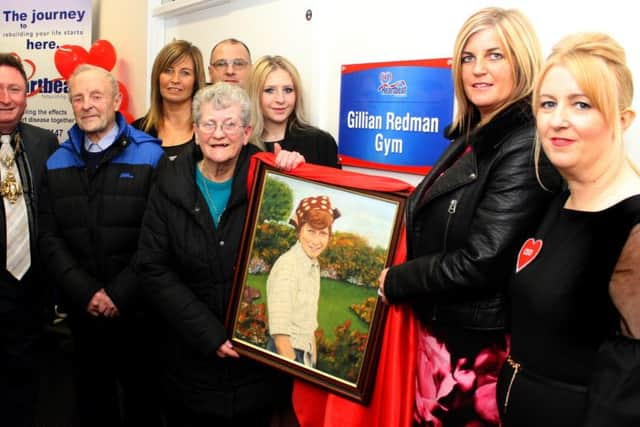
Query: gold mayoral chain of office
(10, 188)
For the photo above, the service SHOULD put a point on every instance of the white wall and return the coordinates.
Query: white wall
(124, 24)
(354, 31)
(266, 26)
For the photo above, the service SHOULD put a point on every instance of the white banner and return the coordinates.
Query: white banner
(33, 30)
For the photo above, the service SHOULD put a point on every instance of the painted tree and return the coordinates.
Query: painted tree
(277, 202)
(272, 240)
(352, 259)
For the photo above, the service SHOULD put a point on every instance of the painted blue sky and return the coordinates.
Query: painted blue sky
(369, 217)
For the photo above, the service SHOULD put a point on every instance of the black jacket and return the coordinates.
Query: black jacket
(317, 146)
(36, 144)
(90, 219)
(186, 267)
(466, 219)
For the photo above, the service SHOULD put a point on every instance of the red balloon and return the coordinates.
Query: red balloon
(67, 57)
(127, 115)
(102, 54)
(125, 96)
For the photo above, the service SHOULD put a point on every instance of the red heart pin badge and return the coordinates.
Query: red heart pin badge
(529, 250)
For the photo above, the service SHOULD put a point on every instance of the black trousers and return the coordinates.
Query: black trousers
(116, 375)
(20, 334)
(178, 413)
(19, 370)
(182, 417)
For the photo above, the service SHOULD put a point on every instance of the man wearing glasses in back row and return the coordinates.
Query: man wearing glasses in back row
(230, 62)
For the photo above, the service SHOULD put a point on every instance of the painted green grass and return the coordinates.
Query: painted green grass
(335, 299)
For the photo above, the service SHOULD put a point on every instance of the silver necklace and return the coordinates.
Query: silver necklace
(210, 200)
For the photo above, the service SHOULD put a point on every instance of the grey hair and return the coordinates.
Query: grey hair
(222, 95)
(115, 89)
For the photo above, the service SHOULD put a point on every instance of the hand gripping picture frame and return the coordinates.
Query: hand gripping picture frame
(304, 299)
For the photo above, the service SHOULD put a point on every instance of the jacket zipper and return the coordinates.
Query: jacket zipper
(452, 206)
(452, 210)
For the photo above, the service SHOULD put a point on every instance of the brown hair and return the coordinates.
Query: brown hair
(315, 211)
(170, 54)
(316, 219)
(11, 60)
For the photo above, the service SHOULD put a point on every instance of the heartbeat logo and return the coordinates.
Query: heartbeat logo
(42, 85)
(387, 87)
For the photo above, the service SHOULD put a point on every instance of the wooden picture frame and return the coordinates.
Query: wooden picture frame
(341, 354)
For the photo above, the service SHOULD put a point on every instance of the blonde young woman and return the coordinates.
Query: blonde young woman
(177, 74)
(278, 104)
(575, 306)
(465, 218)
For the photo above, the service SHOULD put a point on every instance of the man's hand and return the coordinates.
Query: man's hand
(101, 304)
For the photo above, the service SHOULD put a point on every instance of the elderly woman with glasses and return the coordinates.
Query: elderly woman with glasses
(188, 246)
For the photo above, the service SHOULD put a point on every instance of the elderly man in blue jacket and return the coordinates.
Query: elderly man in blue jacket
(96, 190)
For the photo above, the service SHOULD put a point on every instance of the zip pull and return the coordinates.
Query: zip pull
(452, 206)
(516, 370)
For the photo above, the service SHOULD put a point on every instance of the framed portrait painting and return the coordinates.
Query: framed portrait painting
(305, 295)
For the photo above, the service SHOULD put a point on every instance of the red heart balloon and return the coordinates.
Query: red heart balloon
(67, 57)
(102, 54)
(125, 96)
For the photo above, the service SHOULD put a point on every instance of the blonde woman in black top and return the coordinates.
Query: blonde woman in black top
(279, 118)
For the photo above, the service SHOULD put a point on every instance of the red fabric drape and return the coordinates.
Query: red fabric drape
(391, 404)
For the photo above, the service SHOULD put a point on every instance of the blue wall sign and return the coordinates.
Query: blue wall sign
(393, 114)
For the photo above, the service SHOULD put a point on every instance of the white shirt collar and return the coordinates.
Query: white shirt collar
(104, 142)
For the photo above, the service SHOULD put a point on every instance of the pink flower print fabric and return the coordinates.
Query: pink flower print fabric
(441, 388)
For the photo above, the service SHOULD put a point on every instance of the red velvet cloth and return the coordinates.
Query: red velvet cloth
(392, 400)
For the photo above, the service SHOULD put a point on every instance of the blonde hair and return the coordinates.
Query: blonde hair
(522, 51)
(599, 66)
(261, 70)
(170, 54)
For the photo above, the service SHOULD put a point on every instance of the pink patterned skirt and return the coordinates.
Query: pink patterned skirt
(456, 379)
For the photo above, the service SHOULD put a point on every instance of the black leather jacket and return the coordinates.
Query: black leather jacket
(465, 221)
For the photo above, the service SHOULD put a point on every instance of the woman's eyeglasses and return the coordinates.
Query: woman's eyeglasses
(228, 127)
